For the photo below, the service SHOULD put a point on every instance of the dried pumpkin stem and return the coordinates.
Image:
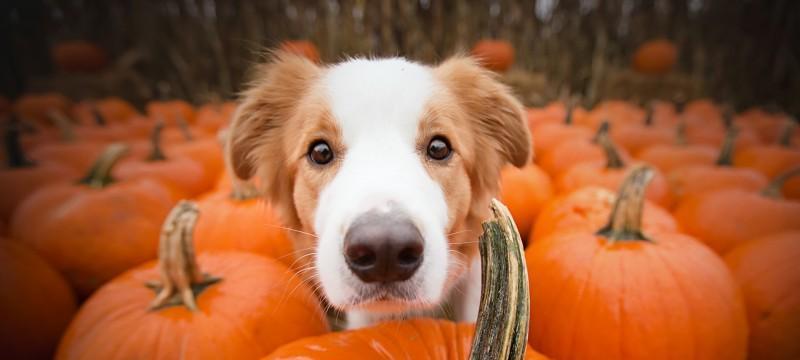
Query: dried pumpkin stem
(603, 130)
(680, 134)
(568, 117)
(156, 151)
(501, 331)
(613, 158)
(99, 175)
(725, 157)
(774, 188)
(184, 126)
(181, 279)
(626, 216)
(64, 126)
(14, 151)
(788, 131)
(99, 119)
(649, 115)
(727, 116)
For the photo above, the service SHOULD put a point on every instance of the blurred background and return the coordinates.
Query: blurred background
(739, 52)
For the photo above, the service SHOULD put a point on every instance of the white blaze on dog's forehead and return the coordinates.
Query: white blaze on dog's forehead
(376, 98)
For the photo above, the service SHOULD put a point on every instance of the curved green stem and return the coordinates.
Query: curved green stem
(725, 157)
(99, 175)
(64, 126)
(775, 187)
(625, 223)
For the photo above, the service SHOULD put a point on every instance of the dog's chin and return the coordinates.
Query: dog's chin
(388, 298)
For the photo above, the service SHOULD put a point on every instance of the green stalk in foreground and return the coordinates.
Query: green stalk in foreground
(501, 331)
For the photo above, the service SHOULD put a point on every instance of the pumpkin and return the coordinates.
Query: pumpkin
(184, 175)
(495, 55)
(222, 305)
(655, 57)
(573, 152)
(23, 177)
(726, 218)
(171, 112)
(36, 108)
(111, 110)
(419, 338)
(688, 181)
(610, 175)
(588, 209)
(549, 135)
(771, 292)
(36, 303)
(773, 159)
(524, 191)
(206, 152)
(303, 48)
(78, 56)
(553, 113)
(241, 220)
(636, 138)
(214, 116)
(615, 291)
(768, 126)
(94, 230)
(617, 113)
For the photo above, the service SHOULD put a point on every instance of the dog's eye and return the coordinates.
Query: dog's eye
(439, 148)
(320, 152)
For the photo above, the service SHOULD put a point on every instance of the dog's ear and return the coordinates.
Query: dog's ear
(255, 133)
(498, 117)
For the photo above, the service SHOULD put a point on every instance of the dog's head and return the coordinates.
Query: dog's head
(390, 164)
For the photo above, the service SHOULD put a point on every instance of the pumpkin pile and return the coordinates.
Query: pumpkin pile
(650, 231)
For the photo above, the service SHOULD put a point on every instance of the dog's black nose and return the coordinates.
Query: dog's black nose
(383, 247)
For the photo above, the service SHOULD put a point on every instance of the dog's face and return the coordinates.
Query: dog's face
(389, 163)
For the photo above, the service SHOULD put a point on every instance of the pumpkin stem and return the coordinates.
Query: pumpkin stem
(99, 119)
(99, 175)
(14, 151)
(156, 152)
(603, 130)
(181, 279)
(625, 222)
(775, 186)
(501, 331)
(648, 116)
(63, 124)
(184, 126)
(727, 116)
(786, 135)
(725, 157)
(680, 134)
(613, 159)
(568, 116)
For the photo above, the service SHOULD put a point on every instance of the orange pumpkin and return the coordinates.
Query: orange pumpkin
(495, 55)
(667, 158)
(771, 293)
(108, 111)
(214, 116)
(225, 305)
(77, 156)
(36, 304)
(78, 56)
(689, 181)
(37, 107)
(588, 209)
(303, 48)
(206, 152)
(525, 191)
(617, 113)
(726, 218)
(92, 231)
(636, 138)
(615, 292)
(771, 160)
(423, 339)
(610, 176)
(23, 177)
(655, 57)
(548, 135)
(241, 220)
(171, 112)
(573, 152)
(188, 177)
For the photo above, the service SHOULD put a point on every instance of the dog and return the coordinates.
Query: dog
(385, 169)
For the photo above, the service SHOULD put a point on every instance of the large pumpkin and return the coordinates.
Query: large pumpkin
(726, 218)
(495, 55)
(36, 303)
(92, 231)
(525, 191)
(226, 305)
(423, 339)
(766, 271)
(627, 291)
(655, 57)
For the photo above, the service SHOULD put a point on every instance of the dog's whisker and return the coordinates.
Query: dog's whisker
(458, 232)
(293, 230)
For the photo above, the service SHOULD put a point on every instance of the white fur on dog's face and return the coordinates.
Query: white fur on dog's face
(378, 116)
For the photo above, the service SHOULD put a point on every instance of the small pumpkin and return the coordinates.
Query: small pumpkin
(655, 57)
(495, 55)
(303, 48)
(96, 229)
(728, 217)
(636, 138)
(667, 157)
(773, 159)
(771, 293)
(615, 291)
(690, 181)
(171, 112)
(107, 111)
(37, 107)
(214, 116)
(525, 191)
(226, 305)
(548, 136)
(573, 152)
(78, 56)
(36, 303)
